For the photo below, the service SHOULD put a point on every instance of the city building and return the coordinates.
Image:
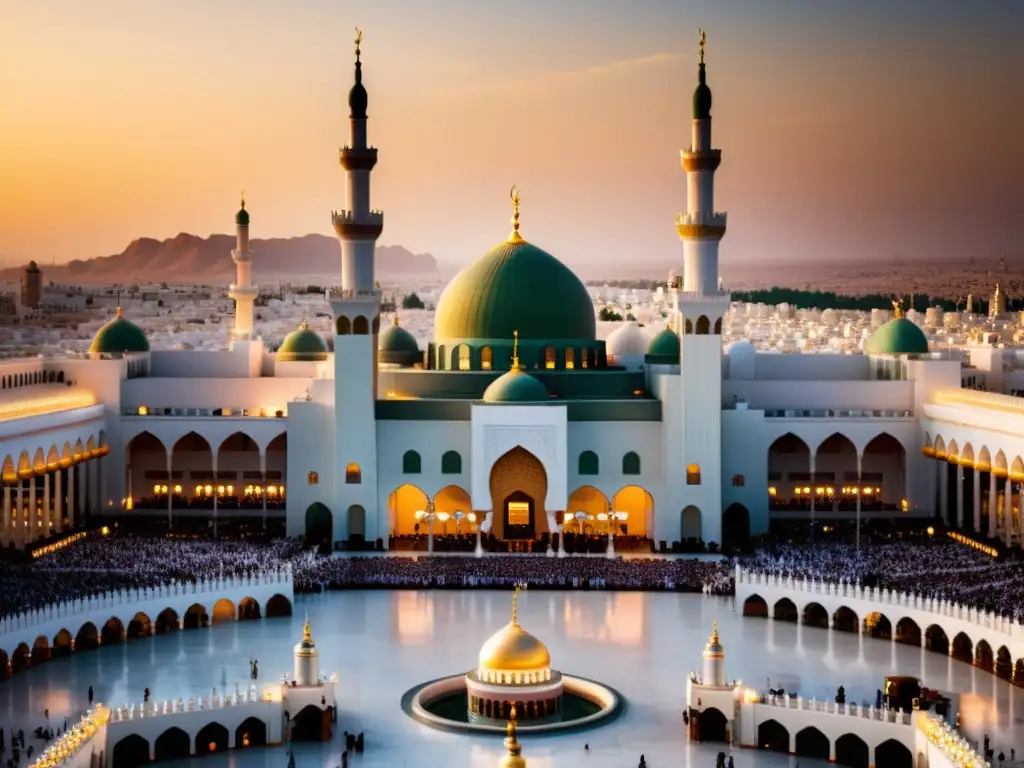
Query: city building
(515, 420)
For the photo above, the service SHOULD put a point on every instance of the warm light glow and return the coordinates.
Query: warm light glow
(220, 490)
(208, 489)
(156, 490)
(443, 516)
(177, 489)
(272, 490)
(518, 513)
(143, 410)
(931, 531)
(231, 490)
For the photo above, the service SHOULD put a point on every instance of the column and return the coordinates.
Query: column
(860, 472)
(944, 492)
(1008, 511)
(263, 475)
(58, 500)
(95, 504)
(992, 505)
(215, 496)
(959, 496)
(71, 496)
(7, 514)
(170, 492)
(33, 518)
(976, 498)
(814, 493)
(46, 504)
(83, 480)
(102, 485)
(19, 516)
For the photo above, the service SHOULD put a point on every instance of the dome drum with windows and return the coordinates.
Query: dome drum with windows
(514, 669)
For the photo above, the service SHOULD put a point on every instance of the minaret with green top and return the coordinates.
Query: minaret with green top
(242, 290)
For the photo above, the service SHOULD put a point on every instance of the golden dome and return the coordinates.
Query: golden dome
(513, 649)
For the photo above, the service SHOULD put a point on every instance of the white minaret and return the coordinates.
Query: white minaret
(307, 659)
(714, 661)
(700, 306)
(242, 290)
(356, 308)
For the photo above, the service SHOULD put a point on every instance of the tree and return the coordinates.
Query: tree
(608, 315)
(412, 301)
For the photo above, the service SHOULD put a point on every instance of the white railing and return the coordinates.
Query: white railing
(241, 697)
(882, 715)
(107, 600)
(880, 597)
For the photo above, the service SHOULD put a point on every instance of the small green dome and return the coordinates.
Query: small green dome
(397, 346)
(242, 217)
(897, 337)
(665, 346)
(515, 286)
(702, 96)
(33, 268)
(302, 346)
(516, 386)
(119, 337)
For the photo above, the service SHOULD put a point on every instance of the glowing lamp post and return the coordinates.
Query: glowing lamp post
(473, 519)
(613, 518)
(429, 515)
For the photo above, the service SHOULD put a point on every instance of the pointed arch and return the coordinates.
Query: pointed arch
(591, 502)
(703, 327)
(638, 504)
(518, 484)
(403, 505)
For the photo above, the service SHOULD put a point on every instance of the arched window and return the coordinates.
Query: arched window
(451, 463)
(486, 359)
(344, 326)
(465, 359)
(738, 481)
(570, 358)
(703, 325)
(584, 358)
(589, 463)
(313, 478)
(360, 326)
(688, 327)
(411, 464)
(718, 327)
(631, 463)
(441, 363)
(550, 356)
(693, 474)
(376, 325)
(353, 475)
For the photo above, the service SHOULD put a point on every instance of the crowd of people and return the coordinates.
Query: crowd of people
(938, 568)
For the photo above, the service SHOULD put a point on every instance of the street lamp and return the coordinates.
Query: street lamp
(430, 516)
(458, 516)
(613, 518)
(479, 551)
(443, 518)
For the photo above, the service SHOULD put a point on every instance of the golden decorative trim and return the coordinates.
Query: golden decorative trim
(709, 160)
(705, 231)
(940, 455)
(966, 463)
(992, 401)
(928, 451)
(982, 466)
(1000, 472)
(356, 230)
(1017, 477)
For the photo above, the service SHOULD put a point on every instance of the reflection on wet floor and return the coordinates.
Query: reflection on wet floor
(381, 643)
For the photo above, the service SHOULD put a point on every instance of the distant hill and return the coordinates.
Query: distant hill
(191, 259)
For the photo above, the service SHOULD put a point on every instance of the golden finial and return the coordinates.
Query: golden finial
(897, 308)
(307, 637)
(243, 199)
(514, 757)
(513, 195)
(714, 632)
(303, 326)
(117, 312)
(359, 40)
(394, 321)
(703, 42)
(515, 351)
(515, 612)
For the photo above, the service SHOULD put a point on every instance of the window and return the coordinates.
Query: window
(570, 358)
(703, 325)
(688, 327)
(585, 358)
(631, 464)
(451, 463)
(718, 327)
(486, 359)
(519, 513)
(376, 325)
(360, 326)
(738, 481)
(411, 464)
(550, 357)
(353, 475)
(588, 463)
(313, 478)
(465, 361)
(344, 326)
(693, 474)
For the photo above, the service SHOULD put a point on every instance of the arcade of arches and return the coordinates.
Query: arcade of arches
(235, 476)
(835, 477)
(976, 490)
(52, 489)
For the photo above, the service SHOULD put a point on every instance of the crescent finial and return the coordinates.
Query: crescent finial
(513, 195)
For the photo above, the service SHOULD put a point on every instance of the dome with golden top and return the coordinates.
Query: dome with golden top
(513, 649)
(306, 646)
(714, 645)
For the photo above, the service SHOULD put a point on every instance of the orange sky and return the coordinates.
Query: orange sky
(846, 135)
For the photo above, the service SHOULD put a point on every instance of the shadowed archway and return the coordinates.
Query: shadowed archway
(810, 742)
(712, 724)
(131, 752)
(772, 736)
(519, 486)
(852, 751)
(755, 605)
(212, 737)
(172, 744)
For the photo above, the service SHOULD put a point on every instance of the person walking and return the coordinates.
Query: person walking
(90, 695)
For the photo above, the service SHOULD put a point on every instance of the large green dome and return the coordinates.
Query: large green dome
(897, 337)
(119, 337)
(664, 348)
(516, 386)
(515, 286)
(397, 346)
(302, 346)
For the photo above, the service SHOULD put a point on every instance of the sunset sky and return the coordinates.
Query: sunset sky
(850, 130)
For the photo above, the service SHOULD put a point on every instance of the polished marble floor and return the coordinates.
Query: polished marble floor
(382, 642)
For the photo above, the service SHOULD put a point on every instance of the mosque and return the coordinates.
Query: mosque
(516, 419)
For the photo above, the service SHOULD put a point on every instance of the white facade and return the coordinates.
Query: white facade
(701, 447)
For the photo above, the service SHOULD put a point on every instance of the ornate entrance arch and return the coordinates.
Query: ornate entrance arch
(519, 486)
